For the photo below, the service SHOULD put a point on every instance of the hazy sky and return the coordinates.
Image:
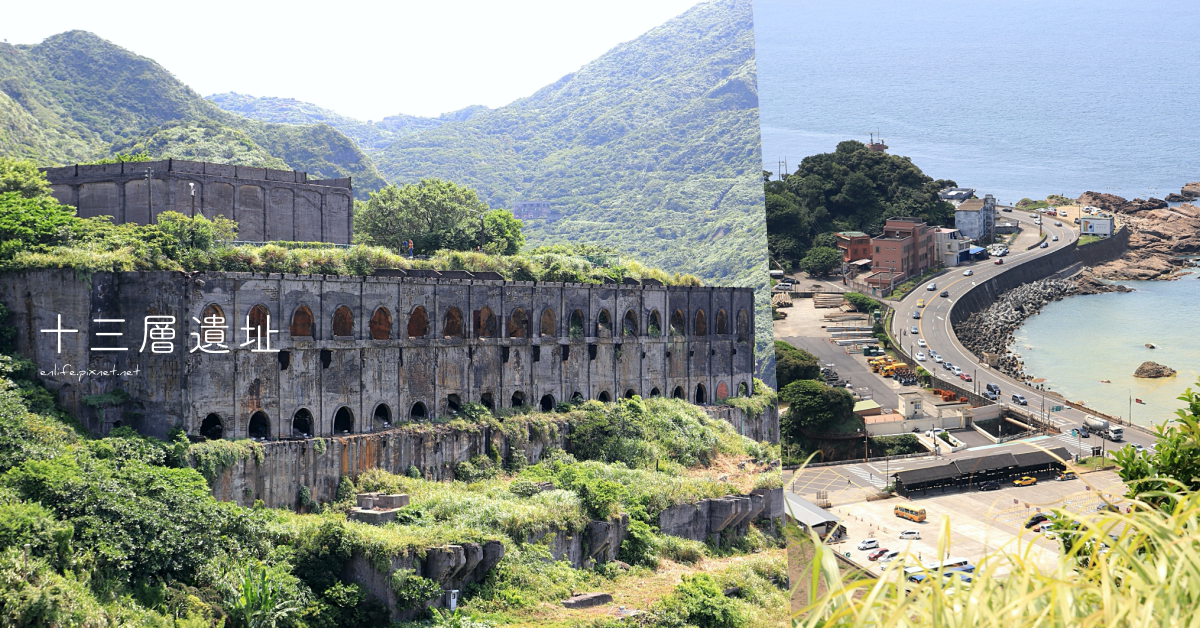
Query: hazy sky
(362, 59)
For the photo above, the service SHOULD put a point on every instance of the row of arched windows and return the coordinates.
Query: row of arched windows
(259, 427)
(486, 323)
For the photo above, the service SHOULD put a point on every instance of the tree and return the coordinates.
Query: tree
(820, 261)
(861, 302)
(434, 214)
(792, 364)
(502, 233)
(813, 406)
(22, 177)
(1172, 468)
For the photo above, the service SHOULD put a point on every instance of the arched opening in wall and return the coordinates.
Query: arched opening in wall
(381, 324)
(488, 401)
(678, 327)
(302, 425)
(259, 322)
(701, 398)
(575, 325)
(418, 411)
(678, 393)
(343, 322)
(722, 323)
(629, 394)
(604, 397)
(743, 326)
(383, 416)
(547, 403)
(453, 403)
(260, 426)
(603, 324)
(722, 391)
(546, 326)
(285, 359)
(629, 326)
(654, 329)
(452, 325)
(485, 323)
(700, 325)
(326, 358)
(518, 399)
(211, 427)
(418, 323)
(743, 390)
(302, 322)
(655, 392)
(213, 316)
(343, 421)
(576, 398)
(518, 324)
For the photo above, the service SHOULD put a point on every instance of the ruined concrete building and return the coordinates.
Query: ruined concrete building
(268, 205)
(287, 356)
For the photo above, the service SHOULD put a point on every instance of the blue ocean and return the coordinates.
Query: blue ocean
(1017, 99)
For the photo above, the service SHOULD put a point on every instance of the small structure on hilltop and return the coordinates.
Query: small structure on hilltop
(377, 508)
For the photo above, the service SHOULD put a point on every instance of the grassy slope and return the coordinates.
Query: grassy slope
(76, 97)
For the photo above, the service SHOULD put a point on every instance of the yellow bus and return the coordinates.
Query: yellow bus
(910, 513)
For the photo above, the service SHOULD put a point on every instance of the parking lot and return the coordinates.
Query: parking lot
(978, 522)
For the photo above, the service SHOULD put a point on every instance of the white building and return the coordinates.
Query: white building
(976, 219)
(952, 246)
(1093, 225)
(956, 196)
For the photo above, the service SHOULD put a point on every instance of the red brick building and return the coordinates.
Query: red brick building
(854, 245)
(905, 249)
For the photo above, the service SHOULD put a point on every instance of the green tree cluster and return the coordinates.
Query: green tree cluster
(813, 407)
(435, 215)
(850, 189)
(792, 363)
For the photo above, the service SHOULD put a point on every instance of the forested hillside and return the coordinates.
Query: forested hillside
(850, 189)
(370, 135)
(76, 97)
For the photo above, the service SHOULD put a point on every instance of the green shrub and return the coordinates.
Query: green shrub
(412, 590)
(641, 545)
(698, 601)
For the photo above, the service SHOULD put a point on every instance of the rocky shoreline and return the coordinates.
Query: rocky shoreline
(1160, 237)
(991, 330)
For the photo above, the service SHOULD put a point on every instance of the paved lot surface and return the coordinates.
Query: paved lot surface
(977, 522)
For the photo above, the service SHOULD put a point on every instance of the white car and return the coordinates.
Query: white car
(957, 371)
(921, 343)
(889, 557)
(1057, 223)
(1054, 238)
(968, 272)
(910, 535)
(937, 358)
(1033, 215)
(920, 357)
(1138, 448)
(932, 286)
(868, 544)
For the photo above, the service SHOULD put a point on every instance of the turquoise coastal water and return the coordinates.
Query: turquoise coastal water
(1076, 342)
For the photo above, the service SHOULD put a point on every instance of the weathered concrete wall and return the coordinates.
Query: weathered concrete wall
(710, 519)
(365, 356)
(762, 428)
(452, 566)
(267, 204)
(433, 450)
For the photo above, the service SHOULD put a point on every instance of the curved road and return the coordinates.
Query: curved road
(934, 327)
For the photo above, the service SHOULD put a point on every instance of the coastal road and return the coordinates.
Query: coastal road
(935, 328)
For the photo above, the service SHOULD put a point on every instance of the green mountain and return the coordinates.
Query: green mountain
(369, 135)
(76, 97)
(653, 148)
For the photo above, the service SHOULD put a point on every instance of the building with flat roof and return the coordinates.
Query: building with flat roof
(956, 196)
(810, 516)
(1094, 225)
(976, 219)
(905, 249)
(952, 246)
(853, 245)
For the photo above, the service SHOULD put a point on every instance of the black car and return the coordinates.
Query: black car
(1036, 519)
(993, 388)
(989, 486)
(945, 293)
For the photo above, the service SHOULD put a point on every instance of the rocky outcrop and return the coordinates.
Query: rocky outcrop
(710, 519)
(1158, 241)
(587, 600)
(451, 566)
(1114, 203)
(1178, 198)
(1191, 190)
(1088, 284)
(991, 330)
(1153, 369)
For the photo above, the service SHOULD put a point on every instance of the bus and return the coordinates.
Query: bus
(910, 513)
(950, 564)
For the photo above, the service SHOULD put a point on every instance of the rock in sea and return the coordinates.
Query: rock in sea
(1153, 369)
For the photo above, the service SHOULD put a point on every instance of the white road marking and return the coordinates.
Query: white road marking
(867, 476)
